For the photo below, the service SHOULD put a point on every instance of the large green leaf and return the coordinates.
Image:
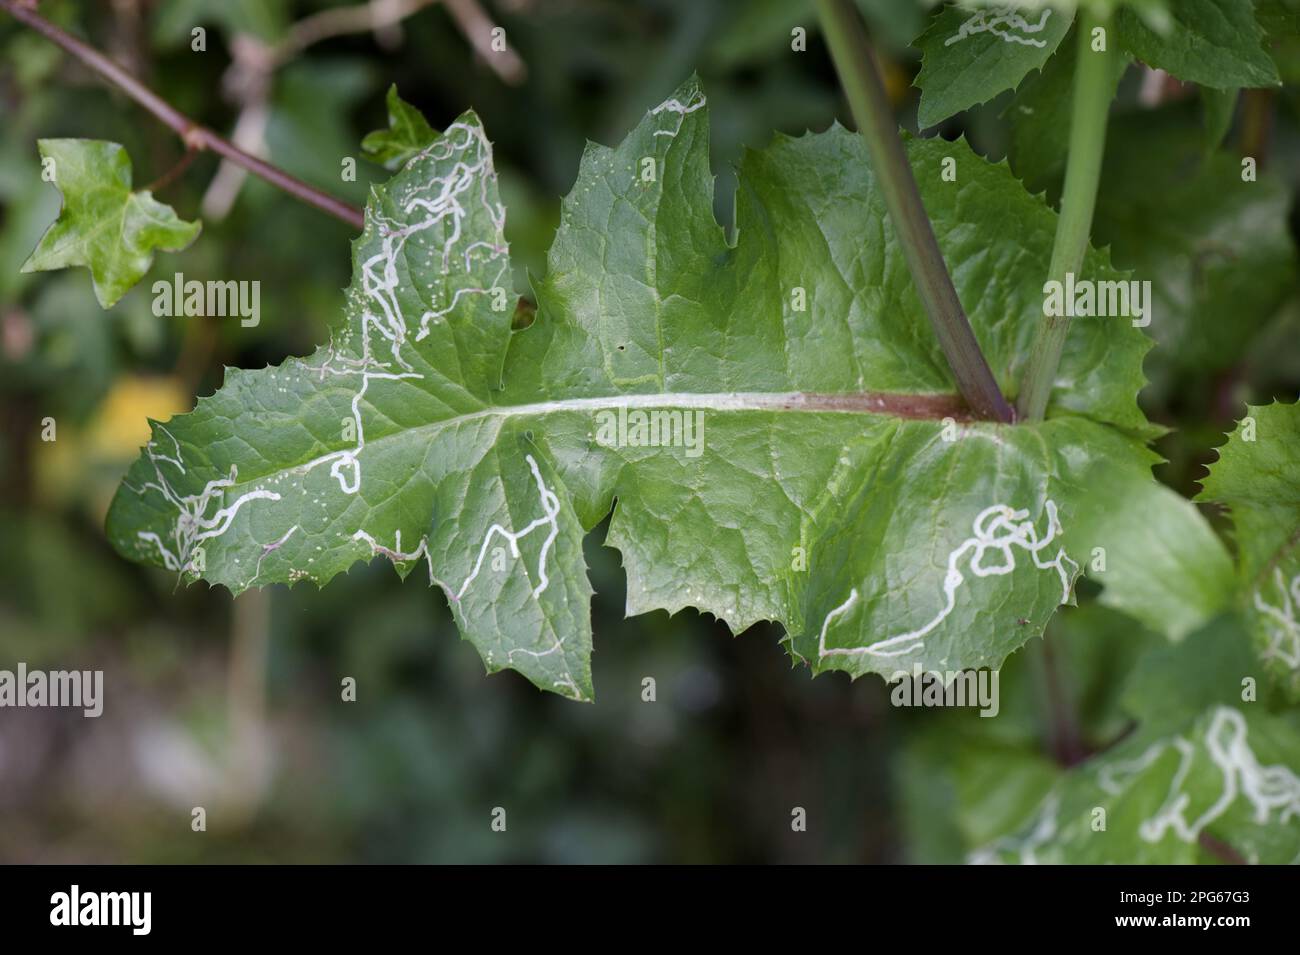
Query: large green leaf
(970, 55)
(104, 225)
(1216, 43)
(819, 470)
(1258, 477)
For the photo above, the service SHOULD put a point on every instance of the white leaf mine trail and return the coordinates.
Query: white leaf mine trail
(998, 528)
(1267, 789)
(385, 333)
(1001, 21)
(1280, 621)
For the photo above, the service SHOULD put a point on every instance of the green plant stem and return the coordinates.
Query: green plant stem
(1094, 87)
(194, 136)
(859, 73)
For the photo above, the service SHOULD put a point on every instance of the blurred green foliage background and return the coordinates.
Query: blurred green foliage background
(234, 705)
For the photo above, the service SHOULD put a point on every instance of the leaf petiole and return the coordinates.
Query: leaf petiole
(859, 74)
(1095, 82)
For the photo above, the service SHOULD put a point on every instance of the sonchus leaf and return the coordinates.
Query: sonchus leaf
(408, 133)
(771, 420)
(1216, 43)
(104, 225)
(971, 54)
(1182, 771)
(1203, 777)
(1258, 477)
(1226, 787)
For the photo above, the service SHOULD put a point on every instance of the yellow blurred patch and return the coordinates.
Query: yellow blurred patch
(121, 427)
(898, 83)
(83, 466)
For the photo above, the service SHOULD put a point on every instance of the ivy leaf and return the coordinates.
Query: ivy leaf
(1216, 43)
(773, 417)
(103, 224)
(969, 56)
(1256, 477)
(408, 132)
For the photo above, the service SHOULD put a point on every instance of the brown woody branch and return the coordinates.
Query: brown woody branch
(194, 136)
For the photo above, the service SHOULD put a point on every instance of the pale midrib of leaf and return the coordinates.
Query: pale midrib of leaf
(919, 407)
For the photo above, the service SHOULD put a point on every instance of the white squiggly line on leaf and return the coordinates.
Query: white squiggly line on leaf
(1267, 788)
(193, 523)
(697, 101)
(551, 510)
(1015, 530)
(381, 283)
(1283, 628)
(992, 21)
(1041, 832)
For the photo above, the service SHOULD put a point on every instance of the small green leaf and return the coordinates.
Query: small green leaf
(1258, 477)
(970, 56)
(1216, 43)
(104, 225)
(408, 132)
